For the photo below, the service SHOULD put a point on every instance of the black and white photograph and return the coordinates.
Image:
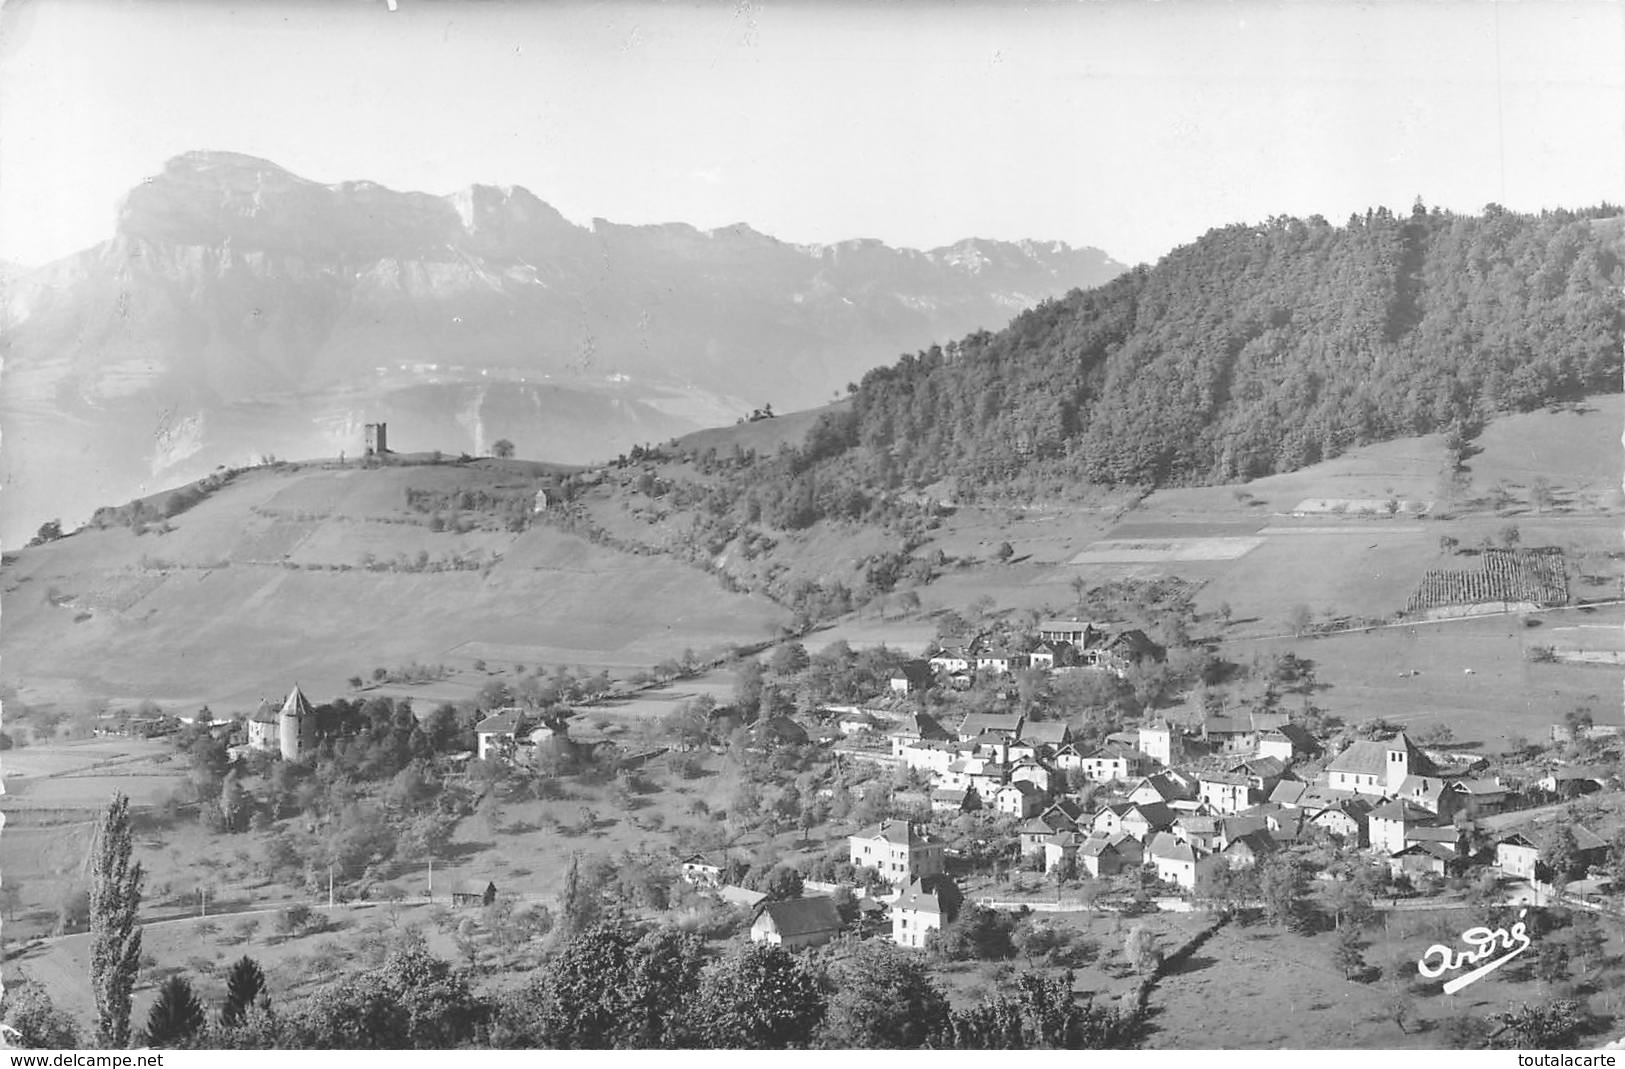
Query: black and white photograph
(778, 524)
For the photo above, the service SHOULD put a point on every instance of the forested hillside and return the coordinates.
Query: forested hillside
(1257, 349)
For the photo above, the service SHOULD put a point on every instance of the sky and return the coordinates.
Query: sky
(1130, 125)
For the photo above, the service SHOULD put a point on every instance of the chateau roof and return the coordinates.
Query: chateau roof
(297, 705)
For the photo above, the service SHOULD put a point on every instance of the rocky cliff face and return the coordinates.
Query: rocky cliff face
(240, 310)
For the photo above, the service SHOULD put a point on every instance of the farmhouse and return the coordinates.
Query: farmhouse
(473, 893)
(497, 735)
(701, 870)
(797, 922)
(1071, 632)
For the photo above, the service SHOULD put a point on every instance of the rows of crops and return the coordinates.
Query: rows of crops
(1530, 575)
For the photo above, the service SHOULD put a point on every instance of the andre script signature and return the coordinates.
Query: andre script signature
(1440, 959)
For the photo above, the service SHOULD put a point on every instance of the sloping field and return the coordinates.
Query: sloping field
(242, 599)
(1474, 675)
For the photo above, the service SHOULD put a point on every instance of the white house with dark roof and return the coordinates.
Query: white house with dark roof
(1162, 743)
(917, 913)
(1071, 632)
(496, 735)
(1176, 862)
(262, 729)
(701, 870)
(897, 851)
(1388, 824)
(1019, 798)
(1226, 792)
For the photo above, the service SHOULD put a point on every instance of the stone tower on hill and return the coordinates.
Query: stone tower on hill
(297, 724)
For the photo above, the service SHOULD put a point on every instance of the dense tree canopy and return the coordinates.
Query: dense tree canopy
(1256, 349)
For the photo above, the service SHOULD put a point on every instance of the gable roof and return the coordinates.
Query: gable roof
(1165, 847)
(501, 722)
(978, 723)
(1047, 732)
(1401, 810)
(740, 896)
(265, 714)
(1586, 839)
(916, 897)
(1262, 767)
(1288, 792)
(1431, 849)
(923, 725)
(1369, 757)
(1066, 807)
(1042, 824)
(898, 832)
(1296, 734)
(1161, 785)
(1257, 842)
(1155, 813)
(1134, 642)
(473, 887)
(804, 916)
(1226, 724)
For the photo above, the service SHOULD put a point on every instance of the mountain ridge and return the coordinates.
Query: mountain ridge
(237, 297)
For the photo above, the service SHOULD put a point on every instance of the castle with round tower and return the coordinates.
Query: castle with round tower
(296, 726)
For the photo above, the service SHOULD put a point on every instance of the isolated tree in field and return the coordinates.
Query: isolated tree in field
(115, 938)
(1299, 618)
(1509, 536)
(1348, 953)
(1004, 552)
(245, 986)
(176, 1016)
(502, 449)
(1541, 494)
(1140, 948)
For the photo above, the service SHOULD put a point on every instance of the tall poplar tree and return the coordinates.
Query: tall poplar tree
(115, 938)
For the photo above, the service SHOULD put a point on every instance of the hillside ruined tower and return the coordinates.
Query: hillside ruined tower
(377, 443)
(297, 726)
